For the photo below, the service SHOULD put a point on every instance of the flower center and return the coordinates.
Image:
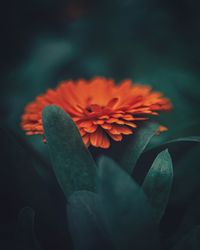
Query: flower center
(89, 109)
(94, 108)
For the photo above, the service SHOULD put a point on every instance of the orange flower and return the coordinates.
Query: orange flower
(100, 109)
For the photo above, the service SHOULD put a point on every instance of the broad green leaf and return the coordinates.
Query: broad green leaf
(72, 163)
(176, 145)
(26, 234)
(190, 242)
(179, 140)
(140, 140)
(84, 220)
(127, 214)
(178, 148)
(157, 183)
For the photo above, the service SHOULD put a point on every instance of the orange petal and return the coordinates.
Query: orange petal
(112, 120)
(105, 142)
(131, 124)
(141, 118)
(86, 124)
(104, 117)
(115, 137)
(120, 122)
(106, 126)
(82, 132)
(99, 122)
(116, 130)
(161, 129)
(112, 102)
(99, 139)
(86, 139)
(128, 117)
(126, 130)
(117, 115)
(91, 129)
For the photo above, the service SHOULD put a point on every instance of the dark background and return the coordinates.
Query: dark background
(43, 42)
(154, 42)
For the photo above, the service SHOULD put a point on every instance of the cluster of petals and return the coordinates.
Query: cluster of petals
(101, 109)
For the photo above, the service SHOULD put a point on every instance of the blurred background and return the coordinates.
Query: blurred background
(154, 42)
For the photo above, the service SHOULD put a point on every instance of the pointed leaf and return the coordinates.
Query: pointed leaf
(85, 222)
(158, 182)
(140, 140)
(72, 163)
(177, 149)
(127, 214)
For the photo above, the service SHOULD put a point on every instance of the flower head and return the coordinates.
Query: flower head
(101, 109)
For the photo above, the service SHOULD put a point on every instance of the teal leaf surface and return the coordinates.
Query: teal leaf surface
(140, 140)
(178, 148)
(85, 224)
(127, 214)
(157, 183)
(72, 163)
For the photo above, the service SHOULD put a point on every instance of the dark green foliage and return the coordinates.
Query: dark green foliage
(43, 42)
(85, 222)
(26, 230)
(191, 241)
(177, 149)
(137, 146)
(126, 212)
(157, 183)
(20, 186)
(72, 163)
(120, 215)
(180, 145)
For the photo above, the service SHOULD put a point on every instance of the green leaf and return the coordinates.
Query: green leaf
(140, 140)
(177, 145)
(84, 220)
(183, 139)
(26, 234)
(72, 163)
(178, 148)
(157, 183)
(127, 214)
(190, 242)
